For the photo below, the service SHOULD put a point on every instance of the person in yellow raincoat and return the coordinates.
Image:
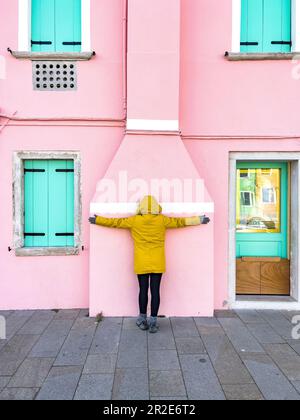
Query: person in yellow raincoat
(148, 230)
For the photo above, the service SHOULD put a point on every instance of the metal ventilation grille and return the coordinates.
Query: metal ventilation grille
(54, 75)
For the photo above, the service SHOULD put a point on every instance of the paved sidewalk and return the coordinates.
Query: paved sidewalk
(65, 355)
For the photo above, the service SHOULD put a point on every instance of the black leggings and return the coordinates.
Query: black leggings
(155, 280)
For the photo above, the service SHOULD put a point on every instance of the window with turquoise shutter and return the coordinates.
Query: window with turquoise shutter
(56, 25)
(49, 203)
(266, 26)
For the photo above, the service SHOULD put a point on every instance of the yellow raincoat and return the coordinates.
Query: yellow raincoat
(148, 230)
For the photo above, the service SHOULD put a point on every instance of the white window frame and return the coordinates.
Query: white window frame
(252, 198)
(18, 203)
(24, 34)
(236, 26)
(274, 193)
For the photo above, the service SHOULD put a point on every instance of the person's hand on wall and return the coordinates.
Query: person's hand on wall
(204, 220)
(92, 220)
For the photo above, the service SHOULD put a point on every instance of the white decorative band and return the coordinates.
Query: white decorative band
(153, 125)
(168, 208)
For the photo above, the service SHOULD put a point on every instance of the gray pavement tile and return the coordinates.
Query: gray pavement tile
(14, 352)
(226, 361)
(16, 321)
(169, 398)
(131, 384)
(129, 324)
(133, 349)
(50, 343)
(60, 384)
(37, 324)
(68, 314)
(200, 378)
(6, 314)
(18, 394)
(100, 363)
(265, 334)
(107, 336)
(75, 349)
(31, 374)
(166, 383)
(208, 326)
(286, 359)
(164, 339)
(269, 379)
(184, 327)
(295, 346)
(163, 360)
(279, 322)
(246, 392)
(297, 385)
(290, 314)
(191, 345)
(250, 317)
(225, 314)
(240, 336)
(95, 387)
(4, 381)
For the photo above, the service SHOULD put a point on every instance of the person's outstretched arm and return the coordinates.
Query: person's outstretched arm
(180, 222)
(116, 223)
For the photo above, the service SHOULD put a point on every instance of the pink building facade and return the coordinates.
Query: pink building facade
(158, 101)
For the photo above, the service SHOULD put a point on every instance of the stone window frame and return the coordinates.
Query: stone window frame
(18, 203)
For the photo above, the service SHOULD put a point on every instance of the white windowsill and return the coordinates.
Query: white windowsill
(46, 252)
(53, 56)
(233, 56)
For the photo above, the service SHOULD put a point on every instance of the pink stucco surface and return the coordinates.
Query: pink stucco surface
(175, 60)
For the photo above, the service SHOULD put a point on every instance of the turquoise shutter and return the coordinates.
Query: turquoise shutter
(43, 25)
(49, 203)
(68, 25)
(36, 227)
(277, 26)
(61, 203)
(252, 26)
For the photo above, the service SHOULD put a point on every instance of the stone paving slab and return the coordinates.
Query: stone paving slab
(248, 392)
(95, 387)
(131, 384)
(270, 380)
(31, 374)
(61, 384)
(200, 378)
(64, 355)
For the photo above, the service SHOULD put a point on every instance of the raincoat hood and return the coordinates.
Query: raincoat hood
(149, 205)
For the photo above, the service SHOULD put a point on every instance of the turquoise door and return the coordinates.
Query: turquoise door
(56, 25)
(266, 26)
(262, 210)
(49, 203)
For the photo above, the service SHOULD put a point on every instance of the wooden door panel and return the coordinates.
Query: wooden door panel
(248, 278)
(275, 278)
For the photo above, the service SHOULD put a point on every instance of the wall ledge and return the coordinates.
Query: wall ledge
(230, 56)
(35, 56)
(46, 252)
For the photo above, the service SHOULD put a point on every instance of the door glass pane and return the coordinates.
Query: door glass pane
(258, 200)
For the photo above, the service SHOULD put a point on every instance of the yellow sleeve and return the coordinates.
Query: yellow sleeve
(180, 222)
(121, 223)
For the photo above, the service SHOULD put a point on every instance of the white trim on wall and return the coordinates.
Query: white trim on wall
(293, 303)
(152, 125)
(86, 25)
(168, 208)
(236, 25)
(24, 33)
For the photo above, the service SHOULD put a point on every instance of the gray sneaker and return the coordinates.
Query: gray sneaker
(142, 323)
(153, 327)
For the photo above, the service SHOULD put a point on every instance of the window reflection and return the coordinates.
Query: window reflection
(258, 200)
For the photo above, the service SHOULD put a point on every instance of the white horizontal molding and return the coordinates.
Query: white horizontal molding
(152, 125)
(265, 305)
(168, 208)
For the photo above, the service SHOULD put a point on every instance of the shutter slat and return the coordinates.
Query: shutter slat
(43, 25)
(68, 25)
(252, 26)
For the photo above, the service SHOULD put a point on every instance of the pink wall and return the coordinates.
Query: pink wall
(50, 282)
(230, 98)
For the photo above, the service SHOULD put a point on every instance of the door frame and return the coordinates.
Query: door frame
(262, 302)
